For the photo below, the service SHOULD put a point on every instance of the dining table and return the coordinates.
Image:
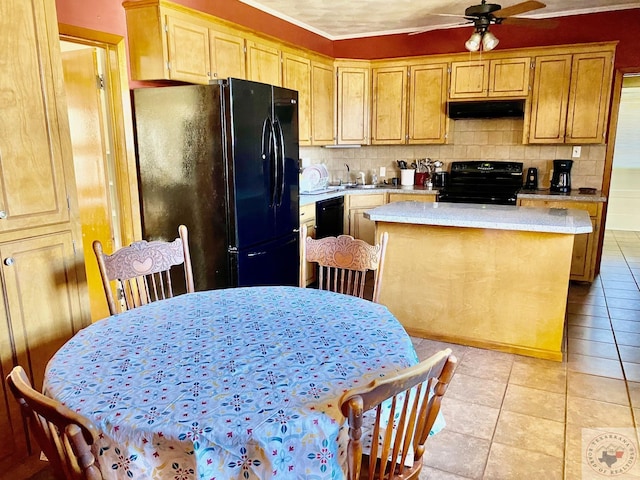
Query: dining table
(238, 383)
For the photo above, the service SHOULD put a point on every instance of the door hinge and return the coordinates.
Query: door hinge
(100, 81)
(168, 65)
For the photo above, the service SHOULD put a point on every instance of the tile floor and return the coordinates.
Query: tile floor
(514, 417)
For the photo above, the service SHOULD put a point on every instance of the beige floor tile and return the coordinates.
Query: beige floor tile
(425, 348)
(603, 367)
(534, 402)
(469, 418)
(593, 387)
(631, 371)
(593, 349)
(627, 338)
(550, 379)
(583, 309)
(576, 447)
(625, 326)
(487, 364)
(509, 463)
(530, 433)
(428, 473)
(629, 353)
(592, 334)
(588, 321)
(476, 390)
(596, 414)
(634, 393)
(459, 454)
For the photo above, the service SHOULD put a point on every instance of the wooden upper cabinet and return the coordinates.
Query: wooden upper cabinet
(323, 93)
(188, 45)
(389, 109)
(570, 101)
(227, 55)
(591, 75)
(500, 78)
(353, 105)
(427, 103)
(549, 99)
(34, 135)
(263, 63)
(509, 77)
(296, 75)
(469, 79)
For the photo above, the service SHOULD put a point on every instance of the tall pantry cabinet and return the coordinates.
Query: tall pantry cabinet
(43, 299)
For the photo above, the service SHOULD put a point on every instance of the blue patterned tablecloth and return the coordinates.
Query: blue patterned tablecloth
(227, 384)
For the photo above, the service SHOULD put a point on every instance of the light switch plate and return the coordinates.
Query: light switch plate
(576, 151)
(383, 171)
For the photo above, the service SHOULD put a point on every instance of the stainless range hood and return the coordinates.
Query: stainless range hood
(486, 109)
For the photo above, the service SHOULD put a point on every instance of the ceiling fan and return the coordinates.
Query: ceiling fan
(485, 14)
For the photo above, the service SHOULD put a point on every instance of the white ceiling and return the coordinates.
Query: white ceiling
(337, 20)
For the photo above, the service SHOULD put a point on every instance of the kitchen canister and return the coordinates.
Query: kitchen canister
(406, 176)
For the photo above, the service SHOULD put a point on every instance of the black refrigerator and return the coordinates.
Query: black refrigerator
(223, 160)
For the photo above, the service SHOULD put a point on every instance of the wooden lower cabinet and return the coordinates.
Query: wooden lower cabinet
(359, 226)
(583, 262)
(412, 197)
(308, 218)
(41, 310)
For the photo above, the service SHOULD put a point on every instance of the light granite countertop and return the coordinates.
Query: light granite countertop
(498, 217)
(332, 192)
(543, 194)
(574, 195)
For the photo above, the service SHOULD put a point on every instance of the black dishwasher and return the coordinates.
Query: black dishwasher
(329, 217)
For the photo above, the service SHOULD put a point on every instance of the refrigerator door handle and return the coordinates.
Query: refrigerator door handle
(256, 254)
(274, 165)
(280, 151)
(268, 151)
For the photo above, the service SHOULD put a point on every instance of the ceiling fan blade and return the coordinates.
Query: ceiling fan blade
(530, 22)
(518, 8)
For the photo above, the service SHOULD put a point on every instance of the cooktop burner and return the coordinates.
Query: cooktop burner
(485, 182)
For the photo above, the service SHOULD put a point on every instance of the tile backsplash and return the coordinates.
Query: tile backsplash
(483, 139)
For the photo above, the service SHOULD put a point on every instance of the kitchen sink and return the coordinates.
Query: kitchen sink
(370, 186)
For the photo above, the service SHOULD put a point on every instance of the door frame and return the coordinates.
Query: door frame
(121, 118)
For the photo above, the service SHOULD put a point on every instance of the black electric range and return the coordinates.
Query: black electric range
(486, 182)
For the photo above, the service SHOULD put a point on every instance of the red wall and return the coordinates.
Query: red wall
(623, 25)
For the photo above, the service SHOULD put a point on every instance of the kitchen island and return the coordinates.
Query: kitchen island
(490, 276)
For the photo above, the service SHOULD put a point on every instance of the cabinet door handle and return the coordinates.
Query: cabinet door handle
(3, 214)
(9, 261)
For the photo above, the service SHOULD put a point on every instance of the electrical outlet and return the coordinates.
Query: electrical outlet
(576, 152)
(383, 172)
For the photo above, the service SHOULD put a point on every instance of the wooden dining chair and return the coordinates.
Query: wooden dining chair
(343, 263)
(64, 436)
(411, 399)
(143, 270)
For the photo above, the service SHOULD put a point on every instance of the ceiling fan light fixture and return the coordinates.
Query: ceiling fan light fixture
(489, 41)
(473, 44)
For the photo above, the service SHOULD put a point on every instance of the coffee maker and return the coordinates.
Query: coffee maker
(561, 178)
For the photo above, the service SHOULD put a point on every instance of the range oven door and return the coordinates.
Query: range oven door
(486, 198)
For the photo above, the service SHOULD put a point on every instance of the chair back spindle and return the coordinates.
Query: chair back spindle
(143, 270)
(64, 436)
(406, 406)
(343, 263)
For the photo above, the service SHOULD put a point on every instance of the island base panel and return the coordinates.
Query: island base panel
(501, 289)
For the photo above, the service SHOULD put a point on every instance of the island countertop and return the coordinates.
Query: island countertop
(499, 217)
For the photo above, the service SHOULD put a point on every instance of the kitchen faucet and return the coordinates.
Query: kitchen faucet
(348, 174)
